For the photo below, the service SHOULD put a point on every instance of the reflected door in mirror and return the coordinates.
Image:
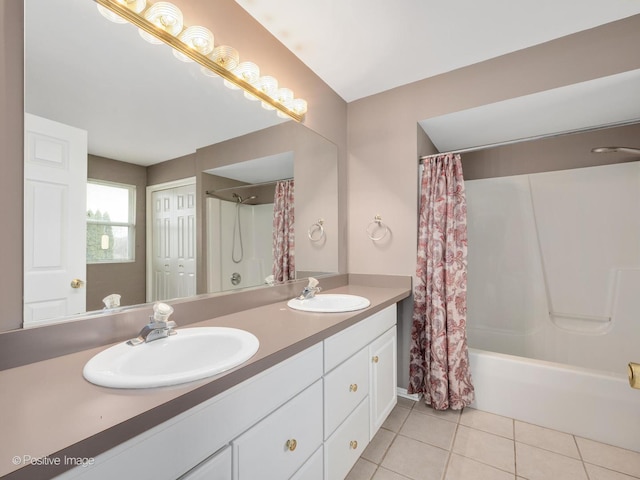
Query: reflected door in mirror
(174, 243)
(55, 229)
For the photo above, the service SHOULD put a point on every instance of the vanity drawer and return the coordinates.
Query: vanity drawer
(344, 388)
(341, 346)
(278, 446)
(346, 445)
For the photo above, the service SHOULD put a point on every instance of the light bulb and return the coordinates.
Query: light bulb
(165, 16)
(225, 56)
(299, 106)
(134, 5)
(197, 38)
(266, 84)
(247, 71)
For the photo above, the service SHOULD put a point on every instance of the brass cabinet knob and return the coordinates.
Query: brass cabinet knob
(292, 444)
(353, 387)
(375, 359)
(76, 283)
(353, 444)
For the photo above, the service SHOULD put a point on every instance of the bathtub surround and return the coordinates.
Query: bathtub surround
(565, 245)
(439, 365)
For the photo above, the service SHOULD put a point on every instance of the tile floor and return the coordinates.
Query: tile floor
(419, 443)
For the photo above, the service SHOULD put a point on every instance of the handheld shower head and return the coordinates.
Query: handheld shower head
(241, 200)
(248, 199)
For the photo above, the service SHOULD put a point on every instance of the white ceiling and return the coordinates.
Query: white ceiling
(258, 170)
(363, 47)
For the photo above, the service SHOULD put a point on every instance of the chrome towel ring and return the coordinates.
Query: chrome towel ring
(316, 231)
(375, 226)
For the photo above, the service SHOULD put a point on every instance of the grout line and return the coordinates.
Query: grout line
(575, 441)
(453, 441)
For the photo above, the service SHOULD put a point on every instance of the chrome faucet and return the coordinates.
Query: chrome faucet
(310, 290)
(159, 326)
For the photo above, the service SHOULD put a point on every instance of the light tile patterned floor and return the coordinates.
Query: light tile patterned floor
(419, 443)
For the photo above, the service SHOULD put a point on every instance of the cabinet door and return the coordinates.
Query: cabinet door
(217, 467)
(281, 443)
(383, 371)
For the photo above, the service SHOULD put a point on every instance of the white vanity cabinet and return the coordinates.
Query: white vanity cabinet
(307, 418)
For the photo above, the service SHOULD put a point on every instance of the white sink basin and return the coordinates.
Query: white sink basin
(330, 303)
(191, 354)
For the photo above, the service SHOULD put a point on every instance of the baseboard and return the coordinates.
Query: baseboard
(402, 392)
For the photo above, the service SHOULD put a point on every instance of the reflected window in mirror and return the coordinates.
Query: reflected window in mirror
(110, 222)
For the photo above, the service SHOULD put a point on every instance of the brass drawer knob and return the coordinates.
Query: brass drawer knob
(375, 359)
(353, 444)
(292, 444)
(353, 387)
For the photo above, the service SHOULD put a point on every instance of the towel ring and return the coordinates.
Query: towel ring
(375, 225)
(316, 231)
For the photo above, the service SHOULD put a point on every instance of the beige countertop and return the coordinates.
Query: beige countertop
(48, 409)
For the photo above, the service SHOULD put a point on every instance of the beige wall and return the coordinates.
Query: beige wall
(232, 26)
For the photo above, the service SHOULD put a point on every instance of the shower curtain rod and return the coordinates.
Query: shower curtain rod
(487, 146)
(248, 185)
(526, 139)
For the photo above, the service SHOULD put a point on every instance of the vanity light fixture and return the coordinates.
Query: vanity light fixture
(161, 22)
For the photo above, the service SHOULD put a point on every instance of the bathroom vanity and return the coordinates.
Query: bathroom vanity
(304, 407)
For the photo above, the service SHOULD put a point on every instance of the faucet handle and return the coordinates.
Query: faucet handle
(162, 312)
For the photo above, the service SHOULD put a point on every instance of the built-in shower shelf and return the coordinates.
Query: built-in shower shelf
(580, 323)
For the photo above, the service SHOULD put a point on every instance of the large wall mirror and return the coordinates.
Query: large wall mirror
(155, 127)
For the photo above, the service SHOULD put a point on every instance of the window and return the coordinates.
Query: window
(110, 222)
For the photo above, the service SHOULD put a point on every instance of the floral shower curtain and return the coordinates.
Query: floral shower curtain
(439, 360)
(284, 265)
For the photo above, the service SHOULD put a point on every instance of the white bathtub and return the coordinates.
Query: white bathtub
(571, 399)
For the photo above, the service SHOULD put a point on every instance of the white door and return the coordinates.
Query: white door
(173, 243)
(55, 172)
